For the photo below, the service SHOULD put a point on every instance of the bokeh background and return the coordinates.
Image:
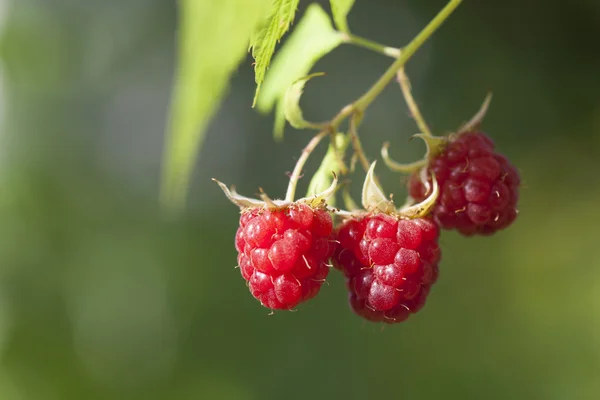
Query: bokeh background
(102, 297)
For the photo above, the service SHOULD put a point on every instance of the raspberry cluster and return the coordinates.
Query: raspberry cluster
(283, 253)
(388, 256)
(389, 264)
(479, 188)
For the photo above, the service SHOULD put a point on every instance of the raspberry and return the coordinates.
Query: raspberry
(479, 188)
(389, 264)
(283, 253)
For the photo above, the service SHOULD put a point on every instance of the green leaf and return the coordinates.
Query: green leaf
(213, 39)
(312, 39)
(340, 10)
(323, 178)
(291, 106)
(263, 41)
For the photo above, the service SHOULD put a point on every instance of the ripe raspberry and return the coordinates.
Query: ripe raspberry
(479, 188)
(389, 264)
(283, 253)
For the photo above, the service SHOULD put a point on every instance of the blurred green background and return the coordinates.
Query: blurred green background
(101, 297)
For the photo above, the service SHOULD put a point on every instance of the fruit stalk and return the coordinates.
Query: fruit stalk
(410, 102)
(407, 52)
(356, 144)
(314, 142)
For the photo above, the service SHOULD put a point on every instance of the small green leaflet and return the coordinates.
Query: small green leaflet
(324, 176)
(311, 39)
(213, 39)
(340, 10)
(263, 41)
(291, 106)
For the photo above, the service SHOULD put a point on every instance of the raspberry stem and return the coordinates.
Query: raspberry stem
(405, 86)
(314, 142)
(370, 45)
(407, 52)
(338, 154)
(356, 144)
(330, 164)
(355, 110)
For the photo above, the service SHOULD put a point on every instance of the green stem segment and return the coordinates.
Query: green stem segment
(357, 108)
(407, 52)
(295, 177)
(371, 45)
(332, 162)
(356, 144)
(411, 103)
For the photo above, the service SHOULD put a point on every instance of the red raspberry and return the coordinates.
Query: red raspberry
(389, 264)
(283, 253)
(479, 188)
